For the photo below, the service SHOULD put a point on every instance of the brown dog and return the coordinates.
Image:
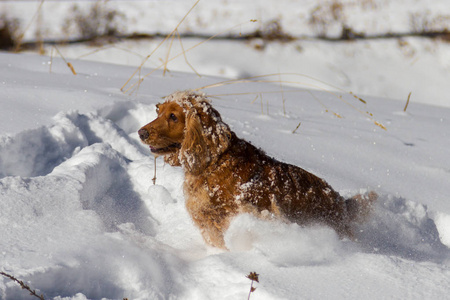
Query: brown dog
(225, 175)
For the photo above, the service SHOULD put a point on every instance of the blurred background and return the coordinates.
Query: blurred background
(371, 47)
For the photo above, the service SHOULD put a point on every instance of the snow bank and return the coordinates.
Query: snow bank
(60, 223)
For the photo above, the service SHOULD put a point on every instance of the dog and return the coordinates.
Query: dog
(226, 176)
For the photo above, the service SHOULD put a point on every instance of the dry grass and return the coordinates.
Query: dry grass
(23, 285)
(267, 79)
(326, 14)
(20, 37)
(407, 102)
(169, 36)
(8, 32)
(424, 22)
(298, 126)
(130, 88)
(269, 32)
(99, 21)
(67, 63)
(253, 277)
(106, 47)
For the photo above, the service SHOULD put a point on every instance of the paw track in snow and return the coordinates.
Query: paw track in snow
(36, 152)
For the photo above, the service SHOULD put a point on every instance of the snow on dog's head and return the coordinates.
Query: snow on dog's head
(188, 131)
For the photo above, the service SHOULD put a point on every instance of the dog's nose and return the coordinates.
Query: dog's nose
(143, 134)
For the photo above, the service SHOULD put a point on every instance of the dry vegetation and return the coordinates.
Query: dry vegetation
(254, 278)
(8, 32)
(432, 26)
(97, 22)
(328, 14)
(23, 285)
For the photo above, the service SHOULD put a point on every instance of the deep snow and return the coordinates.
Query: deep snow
(81, 218)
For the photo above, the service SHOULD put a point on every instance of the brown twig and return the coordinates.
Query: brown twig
(407, 102)
(154, 172)
(68, 63)
(23, 285)
(253, 277)
(298, 126)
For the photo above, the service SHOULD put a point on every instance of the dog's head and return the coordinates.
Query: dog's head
(166, 133)
(188, 131)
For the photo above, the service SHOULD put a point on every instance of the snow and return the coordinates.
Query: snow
(384, 68)
(81, 219)
(211, 17)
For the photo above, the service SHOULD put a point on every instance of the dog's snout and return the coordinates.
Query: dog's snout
(143, 134)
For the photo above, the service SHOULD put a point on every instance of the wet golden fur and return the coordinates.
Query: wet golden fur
(225, 175)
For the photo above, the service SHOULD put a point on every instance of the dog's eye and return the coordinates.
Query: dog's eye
(173, 117)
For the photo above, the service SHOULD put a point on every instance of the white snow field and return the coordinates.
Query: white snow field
(81, 219)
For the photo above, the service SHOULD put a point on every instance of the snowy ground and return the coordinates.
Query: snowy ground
(81, 219)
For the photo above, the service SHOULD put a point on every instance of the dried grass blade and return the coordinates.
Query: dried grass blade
(176, 56)
(67, 63)
(407, 102)
(157, 47)
(20, 38)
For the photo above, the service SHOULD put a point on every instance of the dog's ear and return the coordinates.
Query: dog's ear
(194, 154)
(206, 137)
(218, 133)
